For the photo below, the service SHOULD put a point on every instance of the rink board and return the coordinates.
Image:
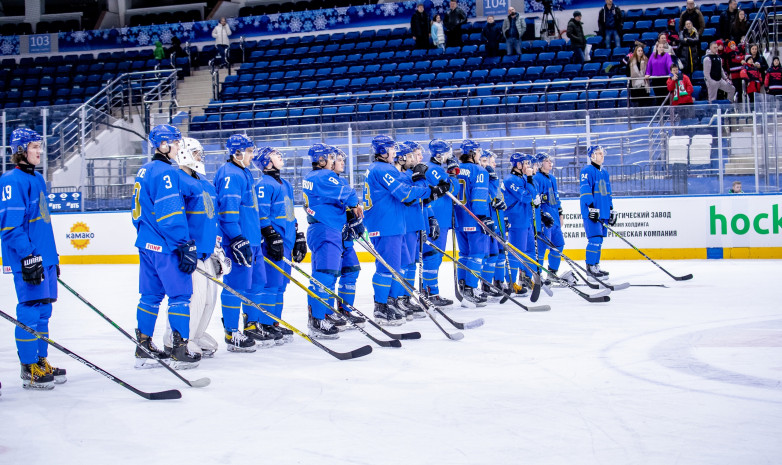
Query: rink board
(737, 226)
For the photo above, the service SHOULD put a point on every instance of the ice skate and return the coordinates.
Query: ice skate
(385, 316)
(58, 373)
(35, 377)
(322, 329)
(275, 333)
(182, 358)
(142, 359)
(351, 318)
(470, 299)
(337, 321)
(287, 334)
(254, 330)
(238, 342)
(393, 305)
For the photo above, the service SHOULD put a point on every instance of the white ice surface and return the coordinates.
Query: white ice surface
(691, 374)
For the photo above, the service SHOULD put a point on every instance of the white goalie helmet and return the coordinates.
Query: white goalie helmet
(191, 155)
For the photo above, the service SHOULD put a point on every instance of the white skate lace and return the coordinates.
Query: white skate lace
(238, 338)
(325, 324)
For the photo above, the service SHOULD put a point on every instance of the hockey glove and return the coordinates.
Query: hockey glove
(243, 254)
(612, 218)
(188, 257)
(434, 228)
(493, 175)
(507, 224)
(488, 222)
(594, 213)
(354, 227)
(548, 220)
(32, 269)
(536, 201)
(439, 190)
(498, 204)
(58, 270)
(299, 248)
(273, 240)
(452, 167)
(544, 198)
(221, 263)
(419, 172)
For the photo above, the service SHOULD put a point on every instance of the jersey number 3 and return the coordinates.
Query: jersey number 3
(136, 202)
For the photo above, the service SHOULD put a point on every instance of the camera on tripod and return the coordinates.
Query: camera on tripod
(547, 4)
(548, 24)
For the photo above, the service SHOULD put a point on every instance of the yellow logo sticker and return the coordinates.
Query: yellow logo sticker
(80, 236)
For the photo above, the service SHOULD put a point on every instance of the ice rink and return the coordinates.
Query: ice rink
(689, 374)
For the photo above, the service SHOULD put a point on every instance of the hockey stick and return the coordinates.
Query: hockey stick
(457, 291)
(202, 382)
(425, 304)
(162, 395)
(574, 264)
(413, 335)
(392, 343)
(677, 278)
(540, 308)
(598, 297)
(356, 353)
(508, 272)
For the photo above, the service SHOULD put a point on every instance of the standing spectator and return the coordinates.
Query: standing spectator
(575, 32)
(636, 71)
(175, 51)
(657, 70)
(672, 35)
(694, 14)
(774, 78)
(513, 28)
(159, 53)
(662, 39)
(419, 25)
(220, 33)
(714, 74)
(438, 33)
(727, 18)
(492, 36)
(690, 48)
(757, 58)
(679, 86)
(735, 56)
(453, 25)
(752, 77)
(740, 27)
(609, 23)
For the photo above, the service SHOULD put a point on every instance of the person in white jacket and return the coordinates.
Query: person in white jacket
(221, 32)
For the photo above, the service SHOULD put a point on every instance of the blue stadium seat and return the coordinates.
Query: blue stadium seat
(515, 74)
(594, 41)
(392, 82)
(652, 13)
(528, 104)
(538, 46)
(443, 79)
(546, 57)
(479, 76)
(473, 63)
(608, 99)
(422, 66)
(461, 77)
(534, 72)
(630, 38)
(564, 57)
(438, 65)
(416, 110)
(551, 72)
(661, 24)
(649, 38)
(633, 14)
(497, 74)
(528, 59)
(567, 101)
(600, 55)
(508, 61)
(571, 71)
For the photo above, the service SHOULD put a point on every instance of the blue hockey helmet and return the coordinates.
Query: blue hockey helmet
(516, 157)
(22, 137)
(338, 152)
(487, 154)
(470, 145)
(263, 156)
(594, 148)
(440, 149)
(405, 148)
(164, 133)
(320, 150)
(529, 158)
(542, 156)
(381, 144)
(238, 143)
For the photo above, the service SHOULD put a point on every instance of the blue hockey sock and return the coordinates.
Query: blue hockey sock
(475, 264)
(267, 299)
(594, 245)
(146, 313)
(179, 315)
(488, 269)
(381, 282)
(318, 310)
(26, 343)
(231, 306)
(410, 276)
(278, 303)
(43, 328)
(347, 286)
(431, 267)
(252, 312)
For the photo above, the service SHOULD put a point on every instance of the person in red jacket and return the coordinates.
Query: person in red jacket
(752, 77)
(680, 87)
(734, 56)
(774, 78)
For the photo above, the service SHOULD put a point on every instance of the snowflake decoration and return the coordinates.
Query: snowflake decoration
(320, 22)
(187, 26)
(143, 38)
(359, 13)
(232, 22)
(345, 19)
(295, 25)
(6, 47)
(79, 36)
(166, 36)
(307, 27)
(333, 22)
(274, 18)
(342, 11)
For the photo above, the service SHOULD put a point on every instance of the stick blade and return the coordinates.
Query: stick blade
(619, 287)
(455, 336)
(539, 308)
(360, 352)
(165, 395)
(409, 336)
(683, 278)
(599, 299)
(474, 324)
(199, 383)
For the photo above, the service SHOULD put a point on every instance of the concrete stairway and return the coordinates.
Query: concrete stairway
(196, 90)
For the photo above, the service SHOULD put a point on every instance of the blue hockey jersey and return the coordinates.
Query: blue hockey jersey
(473, 192)
(327, 197)
(442, 208)
(25, 224)
(158, 207)
(275, 206)
(549, 194)
(596, 191)
(237, 205)
(416, 214)
(200, 199)
(384, 195)
(518, 195)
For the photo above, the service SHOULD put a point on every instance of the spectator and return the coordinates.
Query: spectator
(740, 27)
(735, 56)
(438, 34)
(752, 77)
(680, 87)
(159, 53)
(727, 18)
(694, 14)
(689, 51)
(657, 69)
(513, 28)
(735, 188)
(220, 33)
(714, 74)
(453, 25)
(492, 36)
(672, 35)
(419, 26)
(609, 24)
(575, 32)
(774, 78)
(636, 71)
(662, 39)
(175, 51)
(760, 62)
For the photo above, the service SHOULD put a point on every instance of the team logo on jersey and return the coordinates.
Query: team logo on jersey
(374, 234)
(43, 205)
(153, 247)
(470, 229)
(209, 206)
(80, 236)
(289, 215)
(602, 187)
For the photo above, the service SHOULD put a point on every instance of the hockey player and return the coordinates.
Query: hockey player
(348, 274)
(385, 195)
(30, 254)
(596, 207)
(472, 238)
(167, 252)
(441, 166)
(500, 271)
(522, 199)
(280, 237)
(237, 210)
(496, 203)
(550, 212)
(199, 197)
(327, 198)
